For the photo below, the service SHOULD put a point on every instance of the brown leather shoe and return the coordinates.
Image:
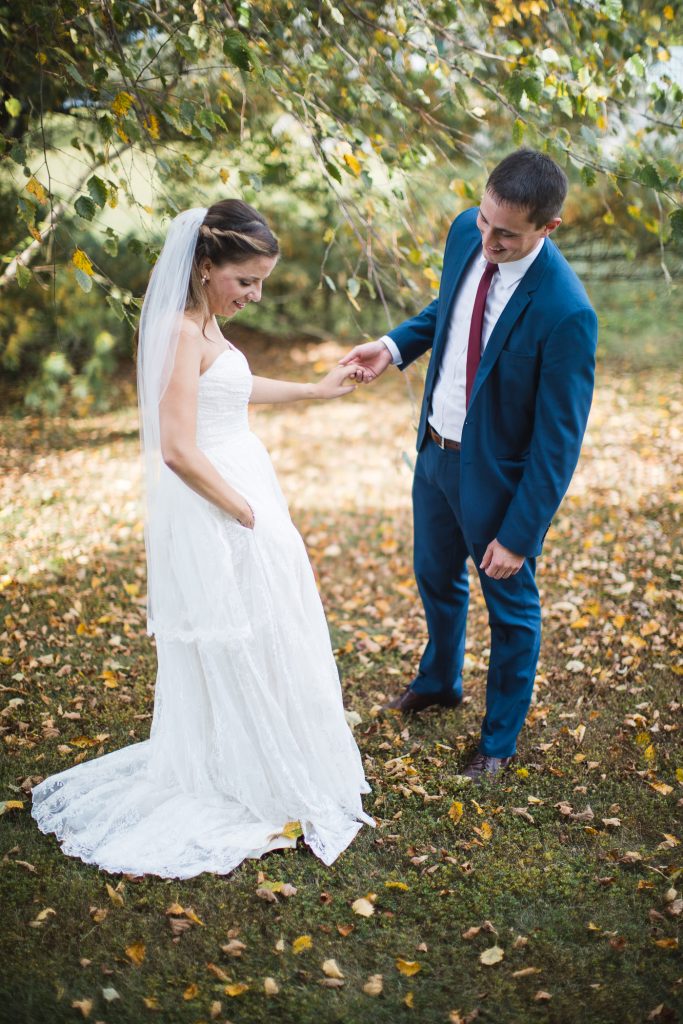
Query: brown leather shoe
(410, 702)
(484, 767)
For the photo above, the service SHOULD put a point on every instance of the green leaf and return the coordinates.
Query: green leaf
(676, 221)
(13, 106)
(98, 190)
(649, 176)
(111, 245)
(333, 171)
(85, 208)
(236, 49)
(84, 280)
(588, 176)
(24, 275)
(335, 12)
(353, 287)
(518, 132)
(117, 307)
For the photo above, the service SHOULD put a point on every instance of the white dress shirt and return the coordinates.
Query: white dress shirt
(447, 413)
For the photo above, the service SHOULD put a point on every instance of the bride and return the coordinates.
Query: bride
(249, 745)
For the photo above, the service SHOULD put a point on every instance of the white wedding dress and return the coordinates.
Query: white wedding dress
(248, 731)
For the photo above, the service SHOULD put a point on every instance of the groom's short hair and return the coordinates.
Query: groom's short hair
(532, 181)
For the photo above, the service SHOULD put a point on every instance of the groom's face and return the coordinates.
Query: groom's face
(506, 233)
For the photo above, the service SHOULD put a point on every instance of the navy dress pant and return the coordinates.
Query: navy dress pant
(440, 555)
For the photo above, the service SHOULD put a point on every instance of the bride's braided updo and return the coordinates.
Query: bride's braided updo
(231, 232)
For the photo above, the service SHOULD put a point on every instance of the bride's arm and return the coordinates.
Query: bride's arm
(265, 390)
(178, 427)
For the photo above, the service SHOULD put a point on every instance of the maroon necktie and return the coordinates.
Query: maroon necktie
(476, 325)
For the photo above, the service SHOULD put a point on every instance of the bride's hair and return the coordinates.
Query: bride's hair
(231, 232)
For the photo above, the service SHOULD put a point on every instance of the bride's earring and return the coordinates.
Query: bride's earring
(204, 280)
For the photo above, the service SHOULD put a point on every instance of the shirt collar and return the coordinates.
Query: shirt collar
(512, 273)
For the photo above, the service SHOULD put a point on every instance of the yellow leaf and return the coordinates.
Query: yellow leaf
(84, 1005)
(123, 101)
(238, 989)
(81, 261)
(522, 773)
(136, 953)
(224, 175)
(661, 787)
(303, 942)
(331, 969)
(492, 955)
(410, 1000)
(363, 907)
(619, 621)
(581, 623)
(151, 1002)
(191, 992)
(455, 812)
(401, 26)
(353, 162)
(152, 126)
(397, 885)
(650, 754)
(175, 908)
(374, 985)
(408, 967)
(292, 830)
(10, 805)
(36, 189)
(666, 943)
(114, 896)
(485, 832)
(132, 589)
(649, 628)
(42, 917)
(190, 914)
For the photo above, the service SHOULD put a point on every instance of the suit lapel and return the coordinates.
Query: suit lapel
(456, 269)
(520, 299)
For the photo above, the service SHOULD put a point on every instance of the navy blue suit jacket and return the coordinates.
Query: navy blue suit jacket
(531, 397)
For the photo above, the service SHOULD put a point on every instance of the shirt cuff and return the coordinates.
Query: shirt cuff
(396, 356)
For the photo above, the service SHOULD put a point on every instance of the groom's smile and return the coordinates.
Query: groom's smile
(506, 233)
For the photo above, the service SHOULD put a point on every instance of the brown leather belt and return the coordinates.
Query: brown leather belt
(443, 442)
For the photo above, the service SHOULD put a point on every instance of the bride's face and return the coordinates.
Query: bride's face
(231, 286)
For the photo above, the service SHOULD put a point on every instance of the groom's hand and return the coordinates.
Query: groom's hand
(500, 563)
(371, 359)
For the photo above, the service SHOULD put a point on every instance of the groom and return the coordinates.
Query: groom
(508, 390)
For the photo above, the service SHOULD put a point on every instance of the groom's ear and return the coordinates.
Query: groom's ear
(551, 225)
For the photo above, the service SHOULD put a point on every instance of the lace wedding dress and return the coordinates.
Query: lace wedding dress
(248, 731)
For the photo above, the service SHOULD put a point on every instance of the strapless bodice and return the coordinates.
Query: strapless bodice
(223, 400)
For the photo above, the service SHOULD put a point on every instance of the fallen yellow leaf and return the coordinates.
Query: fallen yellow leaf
(331, 969)
(408, 967)
(363, 907)
(492, 955)
(238, 989)
(374, 985)
(455, 812)
(303, 942)
(136, 953)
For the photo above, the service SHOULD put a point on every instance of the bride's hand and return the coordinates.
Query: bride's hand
(337, 382)
(245, 515)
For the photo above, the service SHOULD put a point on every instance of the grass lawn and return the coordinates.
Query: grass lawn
(565, 877)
